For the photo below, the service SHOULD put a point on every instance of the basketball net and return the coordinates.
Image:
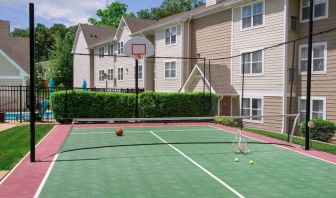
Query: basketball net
(139, 56)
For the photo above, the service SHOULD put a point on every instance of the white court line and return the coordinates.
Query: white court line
(278, 146)
(37, 194)
(92, 133)
(200, 167)
(10, 172)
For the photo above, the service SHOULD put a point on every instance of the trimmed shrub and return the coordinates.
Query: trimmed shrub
(226, 121)
(86, 104)
(154, 104)
(323, 130)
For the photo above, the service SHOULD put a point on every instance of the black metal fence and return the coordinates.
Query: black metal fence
(14, 101)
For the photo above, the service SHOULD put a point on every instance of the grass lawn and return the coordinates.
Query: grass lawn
(14, 143)
(317, 145)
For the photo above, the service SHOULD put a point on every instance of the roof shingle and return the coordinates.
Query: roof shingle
(97, 34)
(135, 24)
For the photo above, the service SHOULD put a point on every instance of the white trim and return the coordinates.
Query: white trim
(22, 72)
(99, 75)
(323, 98)
(123, 74)
(199, 166)
(261, 92)
(12, 77)
(142, 71)
(262, 108)
(314, 18)
(325, 45)
(164, 33)
(164, 69)
(252, 26)
(196, 67)
(247, 51)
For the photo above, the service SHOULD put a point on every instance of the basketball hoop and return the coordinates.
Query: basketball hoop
(139, 48)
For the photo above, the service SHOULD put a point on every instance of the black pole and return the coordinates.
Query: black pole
(203, 107)
(210, 98)
(242, 93)
(136, 88)
(32, 81)
(310, 50)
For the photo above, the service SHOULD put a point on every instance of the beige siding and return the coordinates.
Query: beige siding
(114, 63)
(11, 82)
(272, 105)
(163, 84)
(272, 32)
(197, 85)
(149, 70)
(81, 64)
(7, 68)
(323, 85)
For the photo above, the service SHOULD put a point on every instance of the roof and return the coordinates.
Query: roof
(135, 24)
(179, 16)
(97, 34)
(17, 49)
(220, 78)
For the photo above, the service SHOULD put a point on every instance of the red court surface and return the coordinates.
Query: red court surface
(25, 179)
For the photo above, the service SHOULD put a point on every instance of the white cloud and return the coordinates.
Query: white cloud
(65, 11)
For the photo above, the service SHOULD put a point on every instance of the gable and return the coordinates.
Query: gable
(123, 32)
(8, 67)
(80, 45)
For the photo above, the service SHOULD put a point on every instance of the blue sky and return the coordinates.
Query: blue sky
(68, 12)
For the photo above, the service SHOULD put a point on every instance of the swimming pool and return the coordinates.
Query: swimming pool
(25, 115)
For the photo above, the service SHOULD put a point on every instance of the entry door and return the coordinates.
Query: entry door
(226, 106)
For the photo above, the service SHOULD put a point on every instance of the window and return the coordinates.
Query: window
(120, 74)
(317, 106)
(110, 50)
(101, 75)
(320, 9)
(101, 52)
(121, 48)
(170, 69)
(110, 74)
(170, 35)
(140, 72)
(253, 15)
(253, 63)
(252, 107)
(319, 61)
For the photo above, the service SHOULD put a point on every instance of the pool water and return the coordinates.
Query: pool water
(25, 115)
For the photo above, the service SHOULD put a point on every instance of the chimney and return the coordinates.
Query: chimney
(4, 29)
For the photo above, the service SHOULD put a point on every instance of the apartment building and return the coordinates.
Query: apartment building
(242, 29)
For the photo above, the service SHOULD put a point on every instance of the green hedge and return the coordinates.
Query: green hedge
(153, 104)
(86, 104)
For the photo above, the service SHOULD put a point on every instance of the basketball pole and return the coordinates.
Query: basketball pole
(32, 80)
(136, 88)
(310, 56)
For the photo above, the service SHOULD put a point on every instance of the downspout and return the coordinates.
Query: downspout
(219, 105)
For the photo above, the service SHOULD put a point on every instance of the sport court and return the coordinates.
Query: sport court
(198, 162)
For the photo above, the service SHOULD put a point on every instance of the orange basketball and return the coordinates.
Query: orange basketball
(119, 132)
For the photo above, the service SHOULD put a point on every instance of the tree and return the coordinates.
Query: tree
(111, 15)
(20, 32)
(43, 42)
(168, 8)
(61, 59)
(39, 80)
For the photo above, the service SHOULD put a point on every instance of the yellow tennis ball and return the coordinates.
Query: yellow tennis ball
(236, 159)
(251, 162)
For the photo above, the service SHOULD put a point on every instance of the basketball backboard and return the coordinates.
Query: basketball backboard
(138, 47)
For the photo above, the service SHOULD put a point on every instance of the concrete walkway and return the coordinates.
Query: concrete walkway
(6, 126)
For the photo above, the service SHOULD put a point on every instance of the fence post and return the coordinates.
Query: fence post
(20, 103)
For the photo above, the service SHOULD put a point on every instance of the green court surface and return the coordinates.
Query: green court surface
(181, 170)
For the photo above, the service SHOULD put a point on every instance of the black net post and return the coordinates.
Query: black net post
(210, 98)
(242, 92)
(136, 113)
(32, 80)
(310, 50)
(203, 107)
